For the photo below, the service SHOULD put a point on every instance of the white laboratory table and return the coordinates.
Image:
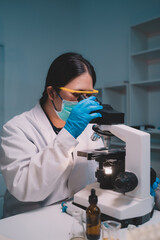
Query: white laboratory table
(47, 223)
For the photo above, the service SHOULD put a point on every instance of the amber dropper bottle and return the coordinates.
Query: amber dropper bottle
(93, 218)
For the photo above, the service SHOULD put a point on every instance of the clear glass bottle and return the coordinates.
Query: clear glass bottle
(77, 229)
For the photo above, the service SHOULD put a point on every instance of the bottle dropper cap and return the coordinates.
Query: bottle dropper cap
(93, 198)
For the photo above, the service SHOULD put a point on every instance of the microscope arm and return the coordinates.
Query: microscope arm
(137, 156)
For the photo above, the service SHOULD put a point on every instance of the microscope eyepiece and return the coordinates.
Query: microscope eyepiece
(81, 97)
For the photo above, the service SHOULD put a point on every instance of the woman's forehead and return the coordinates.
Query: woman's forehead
(82, 82)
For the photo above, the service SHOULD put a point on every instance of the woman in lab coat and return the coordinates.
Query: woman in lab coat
(38, 153)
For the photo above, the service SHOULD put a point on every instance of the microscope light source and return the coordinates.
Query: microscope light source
(108, 170)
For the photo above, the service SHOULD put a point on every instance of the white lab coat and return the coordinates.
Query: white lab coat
(40, 166)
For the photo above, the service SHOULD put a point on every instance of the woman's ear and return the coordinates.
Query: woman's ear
(51, 93)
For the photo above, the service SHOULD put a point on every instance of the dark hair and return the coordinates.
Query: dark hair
(64, 69)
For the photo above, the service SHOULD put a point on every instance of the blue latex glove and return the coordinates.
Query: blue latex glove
(81, 115)
(154, 186)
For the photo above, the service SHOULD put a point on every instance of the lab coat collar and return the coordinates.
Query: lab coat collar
(41, 118)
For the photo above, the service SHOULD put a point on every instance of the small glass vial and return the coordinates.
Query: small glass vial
(77, 229)
(110, 230)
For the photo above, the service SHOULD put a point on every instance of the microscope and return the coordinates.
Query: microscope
(123, 174)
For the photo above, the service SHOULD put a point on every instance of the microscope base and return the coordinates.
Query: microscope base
(117, 206)
(125, 222)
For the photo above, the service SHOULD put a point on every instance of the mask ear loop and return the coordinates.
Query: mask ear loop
(54, 103)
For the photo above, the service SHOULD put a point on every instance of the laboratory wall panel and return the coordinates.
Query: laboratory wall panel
(2, 191)
(1, 85)
(1, 206)
(2, 186)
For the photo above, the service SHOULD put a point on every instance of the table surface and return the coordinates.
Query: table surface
(48, 223)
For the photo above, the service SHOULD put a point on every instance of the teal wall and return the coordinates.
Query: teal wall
(34, 32)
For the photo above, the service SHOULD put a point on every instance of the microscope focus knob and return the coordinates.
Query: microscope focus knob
(125, 182)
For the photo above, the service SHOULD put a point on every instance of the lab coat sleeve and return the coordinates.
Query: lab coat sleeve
(32, 175)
